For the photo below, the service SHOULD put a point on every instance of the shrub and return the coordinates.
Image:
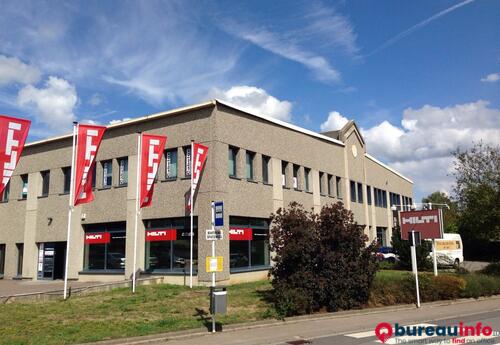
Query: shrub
(321, 260)
(402, 249)
(492, 269)
(478, 285)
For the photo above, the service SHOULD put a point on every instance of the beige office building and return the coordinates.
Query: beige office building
(255, 165)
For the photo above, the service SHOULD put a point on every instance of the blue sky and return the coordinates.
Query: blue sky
(420, 78)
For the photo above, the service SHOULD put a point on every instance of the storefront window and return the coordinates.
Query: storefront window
(2, 258)
(105, 246)
(168, 244)
(249, 243)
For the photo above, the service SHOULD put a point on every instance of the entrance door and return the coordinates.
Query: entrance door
(51, 260)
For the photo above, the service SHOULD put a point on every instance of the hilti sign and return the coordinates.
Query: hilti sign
(199, 157)
(89, 140)
(161, 235)
(13, 133)
(97, 238)
(427, 222)
(152, 149)
(240, 234)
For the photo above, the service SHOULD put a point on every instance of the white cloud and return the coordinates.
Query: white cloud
(422, 145)
(13, 70)
(335, 121)
(54, 104)
(95, 100)
(491, 78)
(114, 122)
(256, 100)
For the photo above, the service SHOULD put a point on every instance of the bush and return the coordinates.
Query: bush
(492, 269)
(402, 249)
(321, 260)
(478, 285)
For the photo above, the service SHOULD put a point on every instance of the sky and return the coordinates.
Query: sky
(420, 78)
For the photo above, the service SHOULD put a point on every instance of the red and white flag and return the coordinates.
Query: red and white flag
(89, 140)
(151, 154)
(13, 134)
(198, 158)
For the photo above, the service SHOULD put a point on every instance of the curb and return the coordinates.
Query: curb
(289, 320)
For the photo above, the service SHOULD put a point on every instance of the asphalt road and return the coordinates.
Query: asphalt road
(358, 328)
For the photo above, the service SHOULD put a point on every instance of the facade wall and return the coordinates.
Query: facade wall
(44, 219)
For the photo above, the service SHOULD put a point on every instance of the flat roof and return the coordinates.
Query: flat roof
(387, 167)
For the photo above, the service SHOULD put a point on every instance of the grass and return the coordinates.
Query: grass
(118, 313)
(164, 308)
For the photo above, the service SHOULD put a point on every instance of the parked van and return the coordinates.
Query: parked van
(449, 250)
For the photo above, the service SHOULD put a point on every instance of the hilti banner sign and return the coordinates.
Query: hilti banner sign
(89, 140)
(161, 235)
(199, 157)
(427, 222)
(151, 153)
(97, 238)
(13, 134)
(240, 234)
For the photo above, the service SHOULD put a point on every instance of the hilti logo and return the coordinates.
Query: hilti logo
(237, 231)
(90, 153)
(420, 220)
(93, 237)
(153, 158)
(156, 233)
(10, 150)
(197, 165)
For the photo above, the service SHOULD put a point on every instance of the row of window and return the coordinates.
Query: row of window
(380, 196)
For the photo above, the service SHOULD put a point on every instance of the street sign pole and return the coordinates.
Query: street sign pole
(434, 257)
(414, 266)
(213, 255)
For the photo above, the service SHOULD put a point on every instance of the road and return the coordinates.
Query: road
(357, 328)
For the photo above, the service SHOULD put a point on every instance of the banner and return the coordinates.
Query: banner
(13, 134)
(152, 147)
(428, 222)
(161, 235)
(88, 142)
(199, 157)
(97, 238)
(240, 234)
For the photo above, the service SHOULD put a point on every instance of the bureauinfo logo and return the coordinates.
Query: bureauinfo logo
(457, 333)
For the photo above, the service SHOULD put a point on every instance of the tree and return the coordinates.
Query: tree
(402, 249)
(477, 190)
(450, 215)
(321, 261)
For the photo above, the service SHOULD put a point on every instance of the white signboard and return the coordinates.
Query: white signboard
(214, 235)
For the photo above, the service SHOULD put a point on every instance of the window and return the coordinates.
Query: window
(295, 176)
(105, 247)
(330, 184)
(171, 164)
(283, 173)
(307, 177)
(384, 199)
(187, 161)
(123, 171)
(45, 182)
(94, 174)
(107, 174)
(6, 193)
(369, 195)
(353, 191)
(248, 243)
(265, 168)
(381, 239)
(167, 244)
(2, 259)
(24, 187)
(360, 193)
(321, 187)
(20, 255)
(410, 202)
(249, 165)
(67, 179)
(232, 154)
(338, 187)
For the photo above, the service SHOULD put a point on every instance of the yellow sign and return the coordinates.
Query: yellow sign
(214, 264)
(447, 245)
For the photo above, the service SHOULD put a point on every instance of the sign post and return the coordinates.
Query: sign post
(414, 265)
(213, 255)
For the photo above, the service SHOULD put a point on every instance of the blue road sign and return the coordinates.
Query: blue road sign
(219, 213)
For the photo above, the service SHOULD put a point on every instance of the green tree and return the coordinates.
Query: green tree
(477, 190)
(450, 215)
(402, 249)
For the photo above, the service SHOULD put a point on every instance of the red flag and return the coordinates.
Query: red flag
(152, 147)
(13, 134)
(199, 156)
(88, 142)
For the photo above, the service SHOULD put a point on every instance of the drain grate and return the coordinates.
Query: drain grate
(299, 342)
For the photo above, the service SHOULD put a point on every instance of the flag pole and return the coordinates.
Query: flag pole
(191, 228)
(137, 207)
(70, 208)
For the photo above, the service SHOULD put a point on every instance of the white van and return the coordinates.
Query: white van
(449, 250)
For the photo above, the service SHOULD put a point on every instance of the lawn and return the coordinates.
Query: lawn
(164, 308)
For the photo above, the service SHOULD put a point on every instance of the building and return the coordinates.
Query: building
(256, 165)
